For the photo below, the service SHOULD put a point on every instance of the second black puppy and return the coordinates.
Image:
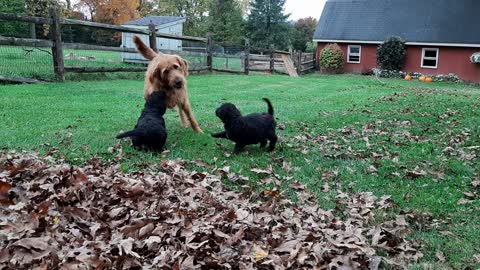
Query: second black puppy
(250, 129)
(150, 132)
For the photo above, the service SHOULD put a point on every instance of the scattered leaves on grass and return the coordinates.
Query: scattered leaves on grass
(476, 258)
(464, 201)
(165, 217)
(415, 173)
(440, 256)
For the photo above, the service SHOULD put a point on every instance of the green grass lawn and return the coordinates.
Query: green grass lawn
(417, 142)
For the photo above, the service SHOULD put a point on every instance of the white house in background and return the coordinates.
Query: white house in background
(163, 24)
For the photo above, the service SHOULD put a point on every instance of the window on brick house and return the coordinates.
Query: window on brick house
(429, 58)
(354, 54)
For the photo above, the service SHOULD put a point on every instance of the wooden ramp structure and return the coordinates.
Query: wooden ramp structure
(289, 65)
(292, 64)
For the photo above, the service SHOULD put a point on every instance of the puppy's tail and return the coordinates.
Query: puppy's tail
(270, 107)
(127, 134)
(144, 49)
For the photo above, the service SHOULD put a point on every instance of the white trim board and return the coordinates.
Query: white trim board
(406, 43)
(349, 41)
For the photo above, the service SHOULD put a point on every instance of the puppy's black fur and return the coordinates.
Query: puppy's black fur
(150, 132)
(250, 129)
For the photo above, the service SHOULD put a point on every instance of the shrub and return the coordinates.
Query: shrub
(391, 54)
(332, 59)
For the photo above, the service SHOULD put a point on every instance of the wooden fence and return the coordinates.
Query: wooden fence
(268, 61)
(304, 62)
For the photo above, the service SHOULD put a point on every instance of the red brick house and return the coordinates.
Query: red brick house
(442, 36)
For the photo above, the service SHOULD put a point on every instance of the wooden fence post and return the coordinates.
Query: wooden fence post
(33, 34)
(247, 56)
(152, 37)
(209, 52)
(272, 60)
(299, 62)
(57, 49)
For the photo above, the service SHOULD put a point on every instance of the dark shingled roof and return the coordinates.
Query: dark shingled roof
(423, 21)
(156, 20)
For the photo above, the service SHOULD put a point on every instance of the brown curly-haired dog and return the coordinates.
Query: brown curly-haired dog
(168, 73)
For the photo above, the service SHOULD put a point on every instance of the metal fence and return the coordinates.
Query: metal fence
(75, 46)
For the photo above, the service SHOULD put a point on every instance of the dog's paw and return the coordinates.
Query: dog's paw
(199, 131)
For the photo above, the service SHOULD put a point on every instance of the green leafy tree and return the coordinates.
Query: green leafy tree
(146, 7)
(226, 22)
(267, 24)
(303, 33)
(196, 12)
(391, 54)
(40, 8)
(244, 6)
(14, 29)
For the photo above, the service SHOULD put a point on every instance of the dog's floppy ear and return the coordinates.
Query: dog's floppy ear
(143, 49)
(185, 67)
(157, 74)
(184, 64)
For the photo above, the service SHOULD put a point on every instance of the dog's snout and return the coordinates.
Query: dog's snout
(178, 83)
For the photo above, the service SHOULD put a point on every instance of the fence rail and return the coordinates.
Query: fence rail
(87, 47)
(11, 41)
(104, 69)
(21, 18)
(202, 57)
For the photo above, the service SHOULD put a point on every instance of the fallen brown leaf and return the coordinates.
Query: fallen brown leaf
(4, 189)
(440, 256)
(258, 253)
(415, 173)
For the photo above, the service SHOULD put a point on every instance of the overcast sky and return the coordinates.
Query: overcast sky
(304, 8)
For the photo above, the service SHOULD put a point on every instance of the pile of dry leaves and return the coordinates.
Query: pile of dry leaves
(56, 216)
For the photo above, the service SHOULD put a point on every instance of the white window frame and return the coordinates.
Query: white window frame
(354, 54)
(430, 58)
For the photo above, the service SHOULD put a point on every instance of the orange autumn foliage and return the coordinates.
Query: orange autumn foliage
(112, 11)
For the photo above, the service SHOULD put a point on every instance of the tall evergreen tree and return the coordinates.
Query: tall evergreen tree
(267, 24)
(226, 22)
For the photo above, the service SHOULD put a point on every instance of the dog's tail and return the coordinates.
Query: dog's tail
(144, 49)
(127, 134)
(270, 107)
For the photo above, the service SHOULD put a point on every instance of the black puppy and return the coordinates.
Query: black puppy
(251, 129)
(150, 132)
